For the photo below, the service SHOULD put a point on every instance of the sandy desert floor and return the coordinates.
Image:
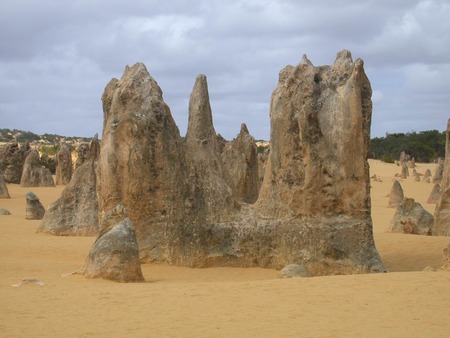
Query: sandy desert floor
(223, 302)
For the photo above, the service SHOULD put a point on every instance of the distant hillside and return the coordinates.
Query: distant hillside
(21, 136)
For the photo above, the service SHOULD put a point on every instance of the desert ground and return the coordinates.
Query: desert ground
(223, 302)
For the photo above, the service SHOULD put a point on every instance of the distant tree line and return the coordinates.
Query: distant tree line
(21, 136)
(425, 146)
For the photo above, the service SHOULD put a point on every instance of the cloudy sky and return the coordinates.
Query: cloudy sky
(57, 56)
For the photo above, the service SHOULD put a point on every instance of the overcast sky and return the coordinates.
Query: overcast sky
(56, 57)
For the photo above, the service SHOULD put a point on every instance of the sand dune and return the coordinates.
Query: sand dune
(223, 302)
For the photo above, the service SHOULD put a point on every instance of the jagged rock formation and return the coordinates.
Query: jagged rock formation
(396, 196)
(412, 218)
(4, 193)
(34, 208)
(142, 164)
(63, 165)
(11, 162)
(34, 174)
(115, 253)
(241, 159)
(75, 213)
(435, 194)
(442, 212)
(82, 154)
(314, 205)
(210, 196)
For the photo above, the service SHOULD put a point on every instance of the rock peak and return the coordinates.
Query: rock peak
(244, 129)
(343, 56)
(305, 61)
(200, 125)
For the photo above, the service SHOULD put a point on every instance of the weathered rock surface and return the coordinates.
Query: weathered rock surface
(314, 205)
(141, 164)
(294, 271)
(240, 157)
(412, 218)
(211, 196)
(396, 196)
(115, 253)
(442, 212)
(34, 208)
(34, 174)
(75, 213)
(11, 162)
(435, 194)
(4, 193)
(63, 165)
(82, 154)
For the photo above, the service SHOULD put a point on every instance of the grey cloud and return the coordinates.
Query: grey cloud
(59, 56)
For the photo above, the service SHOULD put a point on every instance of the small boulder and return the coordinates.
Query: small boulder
(4, 212)
(34, 208)
(115, 253)
(294, 271)
(412, 218)
(396, 195)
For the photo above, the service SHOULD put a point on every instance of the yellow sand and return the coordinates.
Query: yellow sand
(222, 302)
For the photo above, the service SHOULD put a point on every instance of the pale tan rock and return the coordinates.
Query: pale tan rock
(75, 213)
(426, 176)
(4, 193)
(442, 211)
(82, 154)
(446, 259)
(115, 253)
(34, 208)
(12, 160)
(405, 172)
(141, 164)
(411, 218)
(211, 195)
(438, 174)
(179, 195)
(241, 159)
(317, 173)
(34, 174)
(63, 165)
(435, 194)
(396, 196)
